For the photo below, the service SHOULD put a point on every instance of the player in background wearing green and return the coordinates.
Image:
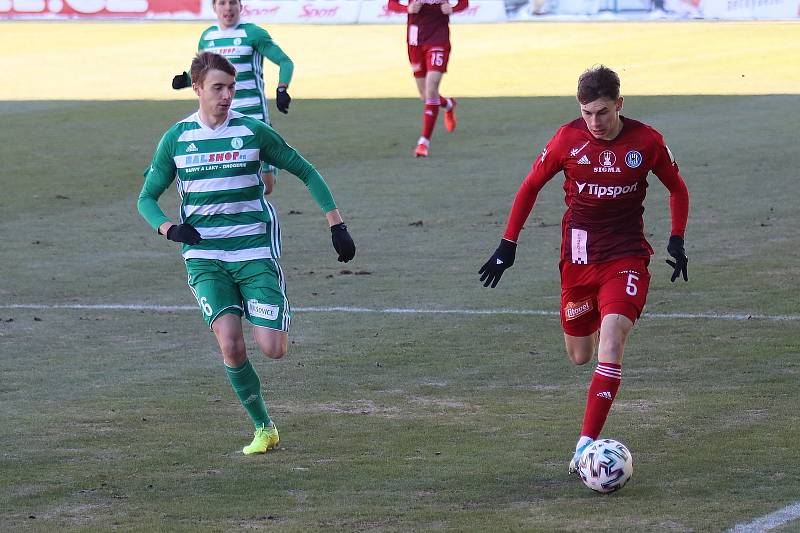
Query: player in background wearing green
(246, 45)
(230, 237)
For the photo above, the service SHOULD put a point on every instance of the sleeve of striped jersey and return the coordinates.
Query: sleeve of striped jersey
(157, 178)
(267, 48)
(666, 169)
(283, 156)
(547, 165)
(461, 5)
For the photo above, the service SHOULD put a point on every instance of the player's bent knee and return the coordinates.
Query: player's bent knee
(580, 357)
(580, 349)
(275, 351)
(233, 349)
(273, 344)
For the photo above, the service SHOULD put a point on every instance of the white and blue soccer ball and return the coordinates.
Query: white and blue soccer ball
(606, 465)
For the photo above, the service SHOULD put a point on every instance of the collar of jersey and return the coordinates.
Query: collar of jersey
(218, 129)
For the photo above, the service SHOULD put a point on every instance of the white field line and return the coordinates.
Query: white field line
(771, 521)
(765, 523)
(395, 310)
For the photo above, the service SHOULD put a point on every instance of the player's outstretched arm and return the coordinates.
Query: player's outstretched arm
(158, 176)
(502, 259)
(284, 156)
(666, 169)
(181, 81)
(267, 47)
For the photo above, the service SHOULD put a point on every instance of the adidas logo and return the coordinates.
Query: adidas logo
(499, 261)
(605, 394)
(250, 399)
(584, 160)
(191, 148)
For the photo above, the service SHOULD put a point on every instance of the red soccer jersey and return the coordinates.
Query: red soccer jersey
(605, 185)
(430, 26)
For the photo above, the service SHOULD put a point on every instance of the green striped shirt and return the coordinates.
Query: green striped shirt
(220, 188)
(246, 46)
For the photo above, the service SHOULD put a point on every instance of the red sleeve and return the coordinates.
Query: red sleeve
(667, 171)
(547, 165)
(396, 7)
(461, 6)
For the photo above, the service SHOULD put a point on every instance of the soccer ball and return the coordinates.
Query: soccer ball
(606, 465)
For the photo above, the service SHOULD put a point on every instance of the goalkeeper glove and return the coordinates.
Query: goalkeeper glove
(343, 242)
(184, 233)
(501, 259)
(282, 99)
(675, 249)
(181, 81)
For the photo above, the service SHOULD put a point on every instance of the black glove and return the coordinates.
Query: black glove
(501, 259)
(181, 81)
(282, 100)
(184, 233)
(343, 243)
(675, 249)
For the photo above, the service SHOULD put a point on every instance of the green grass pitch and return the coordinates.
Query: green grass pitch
(393, 422)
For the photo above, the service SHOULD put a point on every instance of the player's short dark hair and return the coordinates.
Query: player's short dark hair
(205, 61)
(214, 2)
(598, 82)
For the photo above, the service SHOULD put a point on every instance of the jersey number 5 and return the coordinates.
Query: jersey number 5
(631, 287)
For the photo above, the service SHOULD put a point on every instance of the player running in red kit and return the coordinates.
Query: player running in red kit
(428, 39)
(605, 158)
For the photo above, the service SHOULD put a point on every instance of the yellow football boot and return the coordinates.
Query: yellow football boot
(266, 438)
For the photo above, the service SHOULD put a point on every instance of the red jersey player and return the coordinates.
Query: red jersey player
(428, 39)
(605, 158)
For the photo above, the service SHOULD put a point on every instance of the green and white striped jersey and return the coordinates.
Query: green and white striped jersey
(217, 174)
(246, 46)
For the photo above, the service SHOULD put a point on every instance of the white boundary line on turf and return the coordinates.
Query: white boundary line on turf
(779, 518)
(395, 310)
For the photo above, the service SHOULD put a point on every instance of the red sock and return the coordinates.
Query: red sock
(443, 102)
(602, 391)
(429, 119)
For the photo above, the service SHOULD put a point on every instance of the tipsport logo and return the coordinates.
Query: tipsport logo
(601, 191)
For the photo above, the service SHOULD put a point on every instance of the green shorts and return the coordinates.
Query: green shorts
(254, 288)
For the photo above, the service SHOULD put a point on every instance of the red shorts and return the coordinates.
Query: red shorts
(590, 292)
(428, 57)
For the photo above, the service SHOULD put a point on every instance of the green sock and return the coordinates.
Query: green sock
(247, 386)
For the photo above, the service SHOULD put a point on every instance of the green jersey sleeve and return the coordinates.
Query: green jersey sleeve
(157, 178)
(267, 48)
(275, 151)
